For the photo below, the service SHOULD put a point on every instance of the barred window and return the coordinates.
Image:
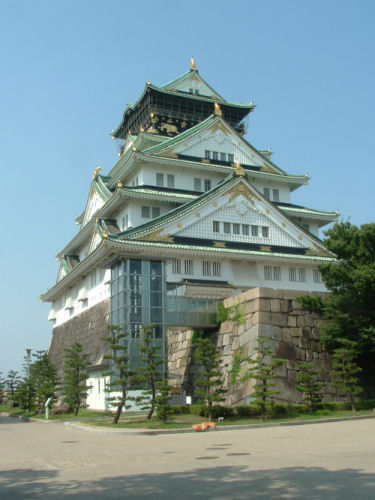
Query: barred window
(268, 272)
(170, 181)
(275, 194)
(223, 156)
(155, 212)
(216, 269)
(301, 274)
(197, 184)
(276, 273)
(227, 227)
(216, 226)
(266, 192)
(206, 268)
(317, 276)
(160, 180)
(215, 155)
(254, 230)
(189, 267)
(146, 212)
(306, 227)
(207, 154)
(236, 228)
(207, 184)
(230, 158)
(292, 274)
(176, 266)
(265, 232)
(245, 229)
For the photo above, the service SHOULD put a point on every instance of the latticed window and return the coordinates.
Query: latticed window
(266, 192)
(230, 158)
(197, 184)
(223, 156)
(206, 268)
(276, 273)
(216, 269)
(317, 277)
(227, 227)
(176, 266)
(215, 155)
(160, 180)
(236, 228)
(268, 272)
(155, 212)
(306, 227)
(245, 229)
(292, 274)
(216, 226)
(301, 274)
(146, 212)
(265, 232)
(170, 181)
(189, 267)
(207, 184)
(254, 230)
(275, 194)
(207, 154)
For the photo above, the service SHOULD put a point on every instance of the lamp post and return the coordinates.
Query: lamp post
(28, 357)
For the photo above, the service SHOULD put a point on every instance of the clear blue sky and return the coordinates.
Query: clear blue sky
(69, 68)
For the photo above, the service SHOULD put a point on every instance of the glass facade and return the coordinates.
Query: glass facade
(137, 299)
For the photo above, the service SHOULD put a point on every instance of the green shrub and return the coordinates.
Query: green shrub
(180, 410)
(217, 411)
(366, 404)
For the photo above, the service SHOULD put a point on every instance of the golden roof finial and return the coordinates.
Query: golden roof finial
(217, 109)
(105, 234)
(96, 172)
(119, 184)
(192, 65)
(239, 168)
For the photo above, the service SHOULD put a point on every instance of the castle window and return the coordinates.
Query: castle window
(189, 267)
(146, 212)
(301, 274)
(266, 192)
(317, 277)
(170, 181)
(216, 269)
(275, 194)
(216, 226)
(197, 91)
(191, 90)
(292, 274)
(227, 227)
(268, 273)
(230, 158)
(223, 156)
(236, 228)
(306, 227)
(197, 184)
(265, 232)
(245, 229)
(206, 268)
(207, 184)
(176, 267)
(276, 273)
(155, 212)
(207, 154)
(160, 180)
(215, 155)
(254, 230)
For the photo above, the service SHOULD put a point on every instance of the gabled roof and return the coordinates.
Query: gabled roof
(186, 76)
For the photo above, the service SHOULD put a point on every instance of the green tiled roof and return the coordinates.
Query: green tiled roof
(184, 77)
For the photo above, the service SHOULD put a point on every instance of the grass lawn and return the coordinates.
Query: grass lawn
(183, 421)
(83, 413)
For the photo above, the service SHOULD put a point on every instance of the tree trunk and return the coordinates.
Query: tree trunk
(118, 413)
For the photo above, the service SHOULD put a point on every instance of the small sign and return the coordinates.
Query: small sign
(188, 400)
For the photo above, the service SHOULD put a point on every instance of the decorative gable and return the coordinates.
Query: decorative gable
(194, 84)
(94, 203)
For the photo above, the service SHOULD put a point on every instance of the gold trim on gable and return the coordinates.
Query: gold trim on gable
(219, 126)
(241, 189)
(170, 154)
(265, 248)
(220, 244)
(318, 251)
(266, 168)
(157, 236)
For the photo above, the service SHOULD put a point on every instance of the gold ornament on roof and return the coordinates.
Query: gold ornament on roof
(217, 109)
(192, 65)
(105, 234)
(119, 184)
(239, 168)
(96, 172)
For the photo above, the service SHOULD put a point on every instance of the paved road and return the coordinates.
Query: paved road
(325, 461)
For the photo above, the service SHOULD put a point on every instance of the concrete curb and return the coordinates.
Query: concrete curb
(223, 428)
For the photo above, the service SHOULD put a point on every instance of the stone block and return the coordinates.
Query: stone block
(300, 320)
(309, 320)
(249, 323)
(235, 344)
(270, 293)
(263, 305)
(285, 332)
(295, 332)
(226, 339)
(270, 331)
(275, 305)
(292, 321)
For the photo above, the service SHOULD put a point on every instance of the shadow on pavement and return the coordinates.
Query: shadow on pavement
(206, 483)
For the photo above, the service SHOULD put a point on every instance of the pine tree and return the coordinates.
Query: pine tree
(344, 374)
(149, 371)
(11, 382)
(307, 382)
(162, 406)
(43, 377)
(122, 376)
(25, 395)
(262, 370)
(209, 381)
(75, 376)
(2, 388)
